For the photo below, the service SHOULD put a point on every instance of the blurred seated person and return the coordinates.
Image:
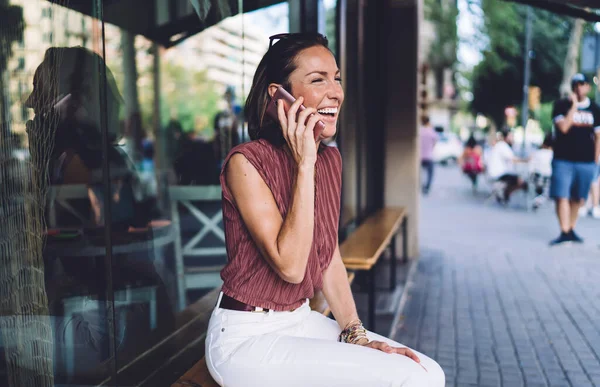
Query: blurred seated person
(226, 125)
(501, 165)
(195, 162)
(471, 160)
(540, 168)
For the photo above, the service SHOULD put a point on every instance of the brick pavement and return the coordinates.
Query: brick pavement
(492, 303)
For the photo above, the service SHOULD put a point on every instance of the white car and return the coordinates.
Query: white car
(448, 148)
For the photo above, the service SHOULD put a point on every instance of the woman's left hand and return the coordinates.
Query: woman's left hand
(384, 347)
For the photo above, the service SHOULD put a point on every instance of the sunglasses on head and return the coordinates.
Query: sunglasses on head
(275, 38)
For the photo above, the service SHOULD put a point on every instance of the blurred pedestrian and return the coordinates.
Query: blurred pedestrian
(592, 207)
(429, 138)
(540, 169)
(576, 150)
(226, 126)
(501, 165)
(471, 160)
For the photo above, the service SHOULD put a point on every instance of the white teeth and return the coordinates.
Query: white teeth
(328, 111)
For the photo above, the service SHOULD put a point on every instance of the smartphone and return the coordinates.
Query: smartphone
(288, 100)
(62, 105)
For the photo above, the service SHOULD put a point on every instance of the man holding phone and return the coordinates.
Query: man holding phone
(576, 150)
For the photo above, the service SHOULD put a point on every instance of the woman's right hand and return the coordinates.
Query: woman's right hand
(299, 134)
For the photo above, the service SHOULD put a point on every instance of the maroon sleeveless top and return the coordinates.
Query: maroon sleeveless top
(247, 277)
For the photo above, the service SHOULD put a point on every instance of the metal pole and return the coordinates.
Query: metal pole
(527, 74)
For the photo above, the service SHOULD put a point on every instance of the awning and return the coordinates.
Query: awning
(166, 22)
(584, 9)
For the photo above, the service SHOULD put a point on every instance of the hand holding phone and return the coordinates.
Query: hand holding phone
(288, 100)
(62, 105)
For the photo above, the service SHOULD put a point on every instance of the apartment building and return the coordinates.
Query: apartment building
(45, 26)
(229, 52)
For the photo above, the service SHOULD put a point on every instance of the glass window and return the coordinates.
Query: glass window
(48, 37)
(110, 208)
(47, 12)
(56, 328)
(330, 7)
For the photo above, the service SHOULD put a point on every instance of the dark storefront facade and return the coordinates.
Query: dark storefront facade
(115, 117)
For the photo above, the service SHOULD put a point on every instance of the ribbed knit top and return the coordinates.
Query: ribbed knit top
(247, 277)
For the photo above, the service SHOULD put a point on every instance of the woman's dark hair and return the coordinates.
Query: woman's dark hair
(471, 142)
(275, 67)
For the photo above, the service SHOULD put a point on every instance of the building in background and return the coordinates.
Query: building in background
(45, 26)
(437, 58)
(228, 53)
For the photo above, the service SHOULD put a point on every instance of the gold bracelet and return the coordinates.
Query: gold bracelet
(354, 334)
(356, 321)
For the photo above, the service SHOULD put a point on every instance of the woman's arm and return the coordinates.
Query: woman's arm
(284, 243)
(339, 297)
(337, 291)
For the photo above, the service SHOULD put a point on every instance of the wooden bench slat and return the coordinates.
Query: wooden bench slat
(198, 374)
(362, 249)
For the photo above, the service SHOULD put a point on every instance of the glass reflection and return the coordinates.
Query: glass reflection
(66, 137)
(111, 146)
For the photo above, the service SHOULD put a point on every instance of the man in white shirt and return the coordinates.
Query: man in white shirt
(541, 160)
(500, 165)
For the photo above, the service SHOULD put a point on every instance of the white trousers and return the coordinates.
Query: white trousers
(300, 348)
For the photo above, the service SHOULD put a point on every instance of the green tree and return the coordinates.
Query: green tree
(331, 28)
(544, 116)
(190, 96)
(442, 53)
(497, 79)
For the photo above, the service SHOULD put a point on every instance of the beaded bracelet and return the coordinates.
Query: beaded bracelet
(354, 334)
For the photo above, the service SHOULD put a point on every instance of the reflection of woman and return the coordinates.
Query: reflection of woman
(67, 132)
(67, 102)
(281, 208)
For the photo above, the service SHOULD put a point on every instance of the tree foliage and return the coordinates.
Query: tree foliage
(187, 94)
(442, 53)
(498, 79)
(191, 96)
(443, 15)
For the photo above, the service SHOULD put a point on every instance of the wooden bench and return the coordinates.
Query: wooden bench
(363, 248)
(198, 375)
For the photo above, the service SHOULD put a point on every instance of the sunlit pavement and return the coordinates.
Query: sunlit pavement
(492, 302)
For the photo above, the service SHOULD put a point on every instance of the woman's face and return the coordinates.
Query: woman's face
(317, 79)
(41, 96)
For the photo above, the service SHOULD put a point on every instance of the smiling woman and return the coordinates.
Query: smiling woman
(315, 73)
(281, 206)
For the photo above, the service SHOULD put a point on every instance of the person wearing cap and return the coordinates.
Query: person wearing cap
(576, 151)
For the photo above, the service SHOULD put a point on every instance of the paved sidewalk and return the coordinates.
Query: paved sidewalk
(492, 303)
